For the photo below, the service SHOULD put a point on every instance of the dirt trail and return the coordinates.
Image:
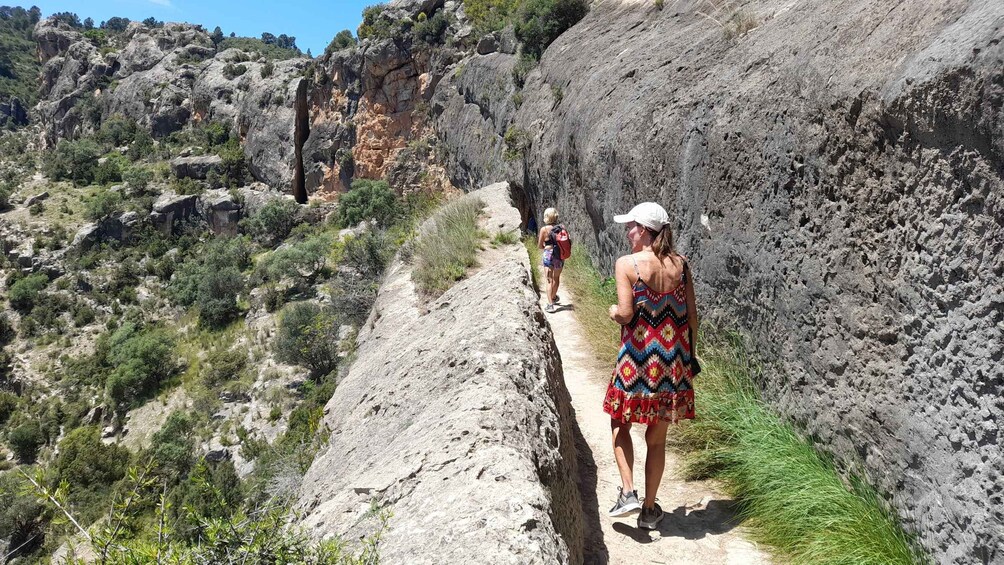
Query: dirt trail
(699, 526)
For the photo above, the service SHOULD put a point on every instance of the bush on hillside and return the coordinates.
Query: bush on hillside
(368, 200)
(273, 222)
(217, 254)
(307, 336)
(23, 294)
(224, 365)
(73, 160)
(431, 30)
(342, 40)
(25, 441)
(172, 447)
(141, 361)
(102, 205)
(217, 296)
(541, 21)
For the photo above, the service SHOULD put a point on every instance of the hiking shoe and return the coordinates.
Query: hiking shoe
(627, 503)
(649, 519)
(549, 309)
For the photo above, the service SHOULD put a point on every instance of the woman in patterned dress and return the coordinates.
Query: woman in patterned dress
(652, 383)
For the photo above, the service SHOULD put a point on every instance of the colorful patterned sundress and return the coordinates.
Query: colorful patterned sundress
(653, 380)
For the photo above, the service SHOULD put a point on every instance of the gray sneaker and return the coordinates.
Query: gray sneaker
(550, 309)
(627, 503)
(649, 519)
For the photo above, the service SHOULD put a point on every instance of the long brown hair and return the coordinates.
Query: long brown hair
(662, 242)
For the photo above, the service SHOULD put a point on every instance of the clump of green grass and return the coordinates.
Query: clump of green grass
(530, 242)
(593, 296)
(790, 496)
(505, 238)
(448, 246)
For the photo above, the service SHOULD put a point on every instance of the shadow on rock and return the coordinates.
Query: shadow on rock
(717, 517)
(594, 551)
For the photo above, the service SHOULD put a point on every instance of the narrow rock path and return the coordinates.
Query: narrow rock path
(699, 526)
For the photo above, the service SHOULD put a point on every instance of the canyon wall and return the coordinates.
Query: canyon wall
(835, 175)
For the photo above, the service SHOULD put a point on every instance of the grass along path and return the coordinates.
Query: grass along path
(791, 498)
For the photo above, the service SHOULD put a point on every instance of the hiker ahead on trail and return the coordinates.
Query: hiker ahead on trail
(652, 383)
(557, 245)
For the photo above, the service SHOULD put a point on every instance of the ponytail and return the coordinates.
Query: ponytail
(662, 242)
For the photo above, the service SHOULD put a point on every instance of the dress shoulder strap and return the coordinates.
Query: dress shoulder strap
(637, 273)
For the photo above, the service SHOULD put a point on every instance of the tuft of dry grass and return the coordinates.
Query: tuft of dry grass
(448, 246)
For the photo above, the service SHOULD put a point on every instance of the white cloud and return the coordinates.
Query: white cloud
(162, 3)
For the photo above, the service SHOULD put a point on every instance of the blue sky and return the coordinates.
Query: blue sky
(312, 22)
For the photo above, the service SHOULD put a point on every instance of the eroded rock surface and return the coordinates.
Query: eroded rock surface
(835, 175)
(457, 421)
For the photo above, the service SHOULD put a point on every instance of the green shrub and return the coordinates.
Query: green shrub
(85, 461)
(138, 178)
(517, 143)
(5, 191)
(233, 169)
(8, 404)
(541, 21)
(24, 293)
(217, 254)
(142, 145)
(368, 254)
(7, 333)
(448, 247)
(430, 31)
(117, 130)
(172, 447)
(103, 204)
(36, 209)
(22, 518)
(25, 441)
(267, 69)
(73, 160)
(342, 40)
(368, 200)
(302, 261)
(307, 336)
(224, 365)
(490, 15)
(377, 25)
(141, 360)
(232, 71)
(217, 296)
(273, 222)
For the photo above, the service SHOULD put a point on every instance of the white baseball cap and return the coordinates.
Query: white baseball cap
(648, 214)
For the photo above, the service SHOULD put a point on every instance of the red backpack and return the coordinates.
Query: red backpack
(562, 240)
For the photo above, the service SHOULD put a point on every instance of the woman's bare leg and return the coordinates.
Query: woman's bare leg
(550, 276)
(553, 290)
(623, 452)
(655, 460)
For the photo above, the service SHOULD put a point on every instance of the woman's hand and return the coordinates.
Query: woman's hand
(612, 312)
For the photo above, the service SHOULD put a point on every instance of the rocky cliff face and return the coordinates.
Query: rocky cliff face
(835, 175)
(168, 77)
(463, 433)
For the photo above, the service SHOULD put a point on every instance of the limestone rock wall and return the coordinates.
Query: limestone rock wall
(836, 176)
(457, 421)
(166, 78)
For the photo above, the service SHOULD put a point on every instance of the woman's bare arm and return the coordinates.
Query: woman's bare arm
(542, 236)
(623, 311)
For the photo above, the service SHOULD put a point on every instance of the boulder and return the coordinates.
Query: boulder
(488, 44)
(36, 198)
(222, 210)
(171, 210)
(197, 167)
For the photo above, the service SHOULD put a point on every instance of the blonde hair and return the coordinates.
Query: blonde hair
(550, 216)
